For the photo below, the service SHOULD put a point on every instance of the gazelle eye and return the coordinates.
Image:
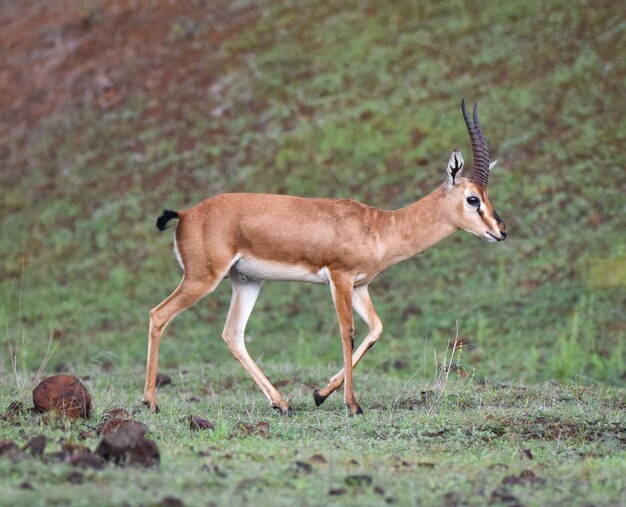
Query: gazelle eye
(472, 200)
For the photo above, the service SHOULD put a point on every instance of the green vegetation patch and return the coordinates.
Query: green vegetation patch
(458, 442)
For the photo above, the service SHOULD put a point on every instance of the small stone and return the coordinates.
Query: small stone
(198, 423)
(115, 424)
(36, 445)
(511, 480)
(128, 445)
(337, 491)
(451, 499)
(530, 476)
(169, 501)
(262, 429)
(8, 448)
(75, 449)
(358, 480)
(75, 477)
(318, 458)
(13, 411)
(87, 460)
(163, 379)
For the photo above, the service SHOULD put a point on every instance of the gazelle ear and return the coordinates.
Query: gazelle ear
(493, 164)
(455, 167)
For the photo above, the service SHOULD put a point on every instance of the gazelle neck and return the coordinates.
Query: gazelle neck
(417, 227)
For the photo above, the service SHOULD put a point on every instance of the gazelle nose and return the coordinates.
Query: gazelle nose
(502, 236)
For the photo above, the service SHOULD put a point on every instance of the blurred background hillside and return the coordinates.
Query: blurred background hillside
(112, 110)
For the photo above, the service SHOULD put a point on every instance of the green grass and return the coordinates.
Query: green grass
(357, 99)
(459, 442)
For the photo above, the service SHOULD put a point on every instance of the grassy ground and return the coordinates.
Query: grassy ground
(458, 442)
(113, 111)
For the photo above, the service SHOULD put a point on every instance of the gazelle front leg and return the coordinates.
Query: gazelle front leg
(244, 296)
(362, 303)
(341, 287)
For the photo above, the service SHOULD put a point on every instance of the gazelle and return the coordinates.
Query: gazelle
(338, 242)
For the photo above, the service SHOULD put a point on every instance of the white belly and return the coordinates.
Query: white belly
(270, 270)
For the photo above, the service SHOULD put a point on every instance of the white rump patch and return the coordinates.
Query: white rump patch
(178, 257)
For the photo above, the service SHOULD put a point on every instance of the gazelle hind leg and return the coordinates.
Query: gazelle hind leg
(362, 303)
(244, 296)
(184, 296)
(194, 286)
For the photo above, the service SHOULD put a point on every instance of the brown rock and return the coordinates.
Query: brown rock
(199, 423)
(529, 476)
(75, 477)
(87, 461)
(8, 448)
(113, 425)
(14, 410)
(128, 446)
(337, 491)
(63, 394)
(169, 501)
(358, 480)
(163, 379)
(36, 445)
(512, 480)
(75, 449)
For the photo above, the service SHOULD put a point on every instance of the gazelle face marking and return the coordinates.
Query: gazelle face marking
(479, 216)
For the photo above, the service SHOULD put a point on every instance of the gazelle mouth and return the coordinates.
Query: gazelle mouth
(493, 239)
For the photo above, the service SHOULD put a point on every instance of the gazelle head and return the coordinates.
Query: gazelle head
(473, 211)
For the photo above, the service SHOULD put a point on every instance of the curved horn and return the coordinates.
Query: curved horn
(480, 152)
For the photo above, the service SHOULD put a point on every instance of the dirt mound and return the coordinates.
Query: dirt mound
(63, 55)
(63, 394)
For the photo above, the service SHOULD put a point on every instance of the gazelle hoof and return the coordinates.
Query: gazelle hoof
(152, 406)
(283, 411)
(319, 399)
(358, 411)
